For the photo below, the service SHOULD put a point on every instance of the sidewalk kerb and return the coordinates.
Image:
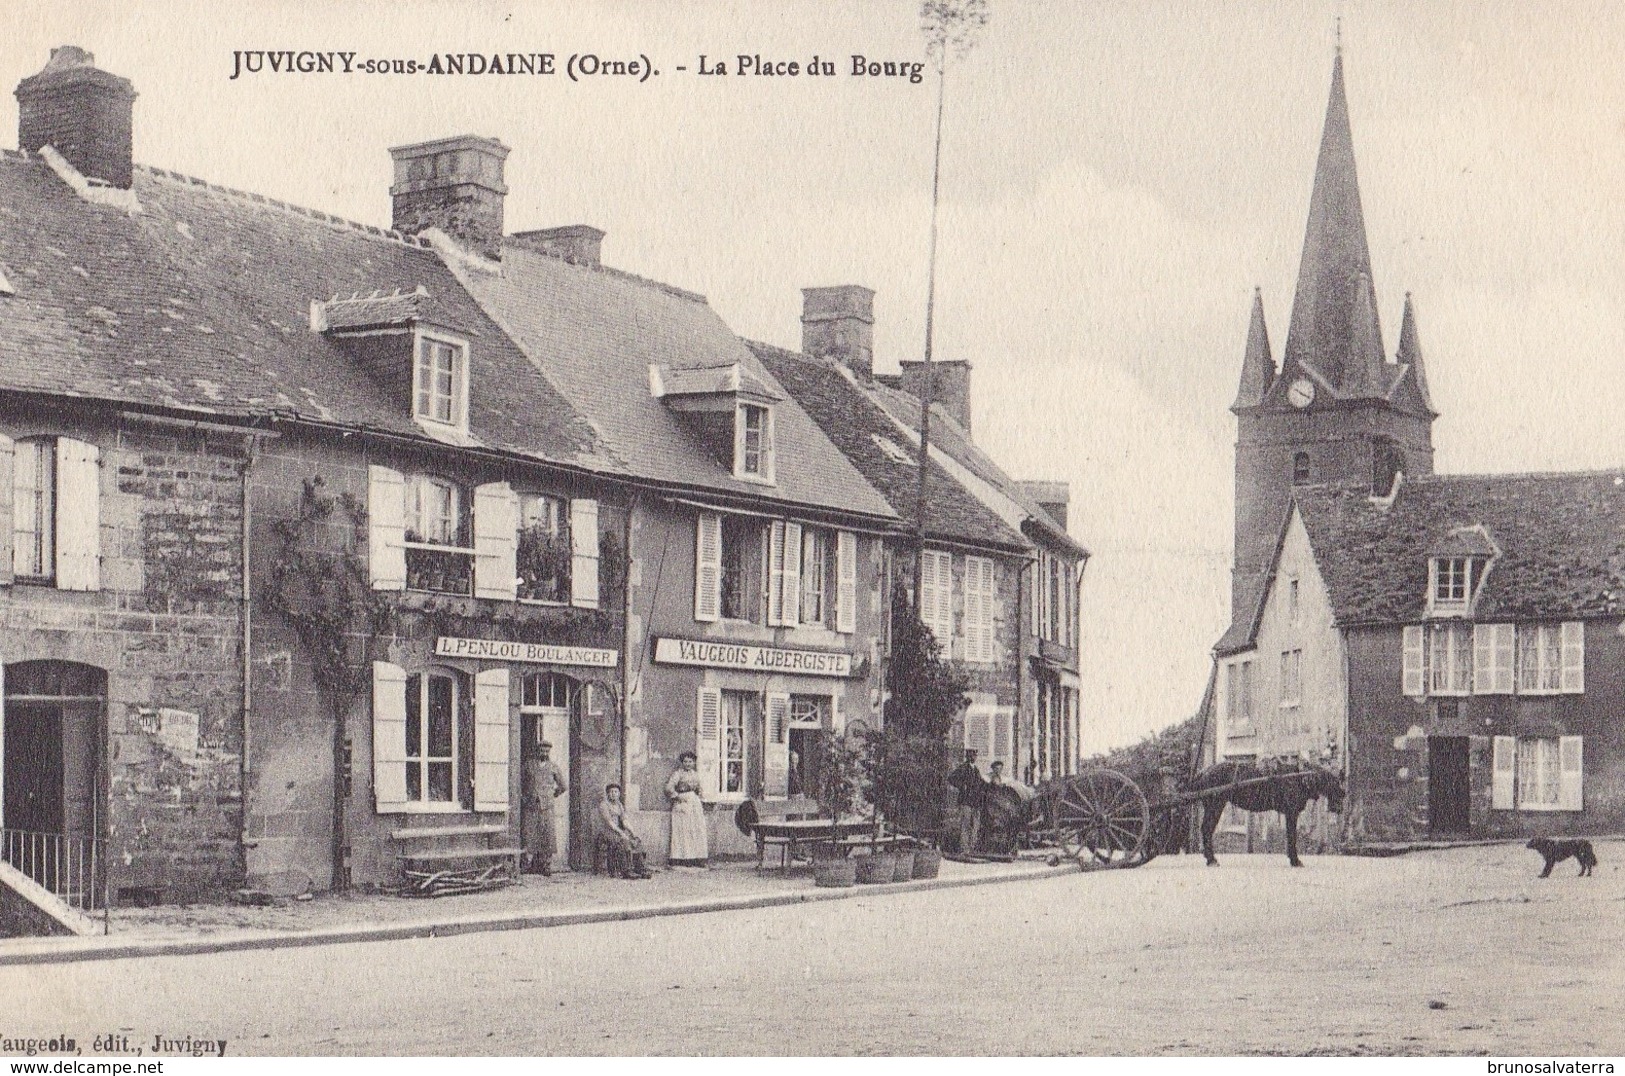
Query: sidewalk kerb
(76, 950)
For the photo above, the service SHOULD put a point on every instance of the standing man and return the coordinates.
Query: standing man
(543, 783)
(966, 781)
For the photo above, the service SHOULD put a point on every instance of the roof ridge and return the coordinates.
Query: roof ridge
(1599, 472)
(608, 270)
(387, 234)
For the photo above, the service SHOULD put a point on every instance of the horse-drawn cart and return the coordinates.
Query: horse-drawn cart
(1103, 818)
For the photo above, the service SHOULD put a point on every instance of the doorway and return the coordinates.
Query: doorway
(546, 715)
(1449, 787)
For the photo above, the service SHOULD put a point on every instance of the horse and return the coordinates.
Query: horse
(1288, 792)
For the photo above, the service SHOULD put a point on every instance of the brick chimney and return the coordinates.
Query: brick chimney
(839, 323)
(578, 244)
(82, 112)
(454, 184)
(1052, 497)
(950, 384)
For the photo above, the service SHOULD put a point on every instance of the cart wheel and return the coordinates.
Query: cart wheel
(1109, 816)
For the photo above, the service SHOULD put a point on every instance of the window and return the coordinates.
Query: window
(735, 758)
(1300, 468)
(34, 501)
(1238, 697)
(978, 609)
(753, 442)
(1292, 601)
(440, 381)
(739, 536)
(815, 575)
(1540, 659)
(1387, 461)
(438, 555)
(432, 701)
(1291, 678)
(1453, 581)
(809, 711)
(1450, 659)
(1493, 657)
(1538, 773)
(547, 691)
(544, 552)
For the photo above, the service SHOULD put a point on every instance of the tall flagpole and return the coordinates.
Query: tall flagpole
(928, 393)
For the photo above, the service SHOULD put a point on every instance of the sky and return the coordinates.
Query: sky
(1117, 177)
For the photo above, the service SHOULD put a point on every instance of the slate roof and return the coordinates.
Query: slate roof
(595, 332)
(859, 427)
(1561, 539)
(1008, 498)
(201, 303)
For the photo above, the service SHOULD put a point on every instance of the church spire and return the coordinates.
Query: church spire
(1334, 312)
(1258, 367)
(1410, 355)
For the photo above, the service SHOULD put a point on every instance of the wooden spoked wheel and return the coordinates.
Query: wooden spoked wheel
(1104, 819)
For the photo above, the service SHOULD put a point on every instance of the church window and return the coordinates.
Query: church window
(1300, 469)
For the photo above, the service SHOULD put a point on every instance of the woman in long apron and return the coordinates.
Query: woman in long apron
(688, 841)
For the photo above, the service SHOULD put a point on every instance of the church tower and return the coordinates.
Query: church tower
(1336, 411)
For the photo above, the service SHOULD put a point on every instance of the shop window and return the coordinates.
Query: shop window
(734, 760)
(433, 704)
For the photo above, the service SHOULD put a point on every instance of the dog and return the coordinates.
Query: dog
(1556, 851)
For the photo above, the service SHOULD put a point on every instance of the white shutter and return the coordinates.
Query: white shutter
(7, 509)
(776, 756)
(927, 602)
(78, 516)
(386, 528)
(1506, 637)
(770, 454)
(792, 575)
(496, 531)
(945, 601)
(1414, 680)
(775, 572)
(708, 740)
(979, 735)
(1003, 732)
(846, 585)
(491, 740)
(1504, 767)
(1570, 776)
(837, 715)
(708, 567)
(584, 553)
(388, 736)
(1574, 656)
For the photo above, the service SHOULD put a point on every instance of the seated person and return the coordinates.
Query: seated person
(627, 858)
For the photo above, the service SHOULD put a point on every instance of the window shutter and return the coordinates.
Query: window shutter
(792, 575)
(973, 609)
(1505, 647)
(1574, 656)
(776, 756)
(1504, 767)
(386, 528)
(388, 736)
(846, 575)
(491, 740)
(1484, 659)
(1570, 783)
(945, 600)
(708, 740)
(1003, 749)
(708, 567)
(78, 516)
(7, 509)
(496, 530)
(584, 553)
(770, 461)
(837, 715)
(979, 735)
(1414, 680)
(775, 573)
(928, 592)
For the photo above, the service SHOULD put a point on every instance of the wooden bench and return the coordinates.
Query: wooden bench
(429, 868)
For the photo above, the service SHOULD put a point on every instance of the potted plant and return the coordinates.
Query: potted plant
(840, 780)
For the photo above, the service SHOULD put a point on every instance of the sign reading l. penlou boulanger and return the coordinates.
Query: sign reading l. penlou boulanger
(765, 659)
(448, 646)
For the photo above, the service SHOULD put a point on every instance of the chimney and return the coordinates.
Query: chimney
(82, 112)
(839, 323)
(454, 184)
(950, 386)
(1052, 497)
(578, 244)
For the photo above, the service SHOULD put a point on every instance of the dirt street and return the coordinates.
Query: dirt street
(1452, 952)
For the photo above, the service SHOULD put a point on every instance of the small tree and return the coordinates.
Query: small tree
(910, 759)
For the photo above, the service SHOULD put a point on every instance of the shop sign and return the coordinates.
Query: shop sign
(540, 653)
(762, 659)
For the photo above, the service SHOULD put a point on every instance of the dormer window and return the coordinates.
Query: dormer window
(753, 442)
(1453, 583)
(440, 381)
